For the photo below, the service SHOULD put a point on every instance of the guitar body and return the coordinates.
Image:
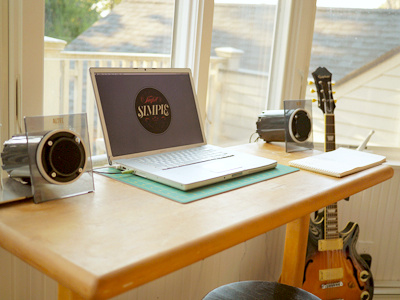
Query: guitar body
(355, 280)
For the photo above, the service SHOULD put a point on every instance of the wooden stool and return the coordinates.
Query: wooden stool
(258, 290)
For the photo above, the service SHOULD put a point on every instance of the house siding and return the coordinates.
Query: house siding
(369, 101)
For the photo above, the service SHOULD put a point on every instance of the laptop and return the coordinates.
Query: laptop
(150, 115)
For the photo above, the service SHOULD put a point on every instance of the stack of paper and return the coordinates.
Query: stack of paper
(339, 163)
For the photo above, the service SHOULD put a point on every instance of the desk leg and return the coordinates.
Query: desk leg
(294, 256)
(66, 294)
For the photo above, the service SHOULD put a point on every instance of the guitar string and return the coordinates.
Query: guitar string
(337, 255)
(329, 256)
(333, 256)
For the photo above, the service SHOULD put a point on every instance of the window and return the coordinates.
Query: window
(241, 54)
(264, 52)
(359, 45)
(115, 40)
(190, 47)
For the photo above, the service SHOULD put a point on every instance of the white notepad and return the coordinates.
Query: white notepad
(339, 163)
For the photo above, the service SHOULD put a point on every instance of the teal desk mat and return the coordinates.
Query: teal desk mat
(196, 194)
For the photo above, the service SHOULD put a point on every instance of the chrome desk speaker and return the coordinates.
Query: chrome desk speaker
(53, 157)
(292, 125)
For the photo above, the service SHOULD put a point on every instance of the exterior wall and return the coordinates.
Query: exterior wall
(239, 98)
(370, 101)
(377, 211)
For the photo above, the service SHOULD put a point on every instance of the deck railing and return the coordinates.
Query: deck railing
(68, 88)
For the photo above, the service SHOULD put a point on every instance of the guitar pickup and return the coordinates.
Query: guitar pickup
(331, 244)
(330, 274)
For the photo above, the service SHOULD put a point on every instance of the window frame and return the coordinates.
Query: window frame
(4, 69)
(191, 48)
(291, 51)
(191, 43)
(23, 50)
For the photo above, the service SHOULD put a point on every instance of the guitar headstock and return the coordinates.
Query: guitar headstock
(323, 84)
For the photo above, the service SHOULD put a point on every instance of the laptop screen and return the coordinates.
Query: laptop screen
(146, 110)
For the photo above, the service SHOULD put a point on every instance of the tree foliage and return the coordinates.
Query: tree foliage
(66, 19)
(391, 4)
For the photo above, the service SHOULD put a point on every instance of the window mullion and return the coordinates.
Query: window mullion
(14, 104)
(4, 34)
(33, 57)
(191, 43)
(291, 51)
(25, 62)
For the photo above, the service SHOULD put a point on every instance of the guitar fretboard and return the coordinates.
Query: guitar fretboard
(330, 143)
(331, 211)
(331, 222)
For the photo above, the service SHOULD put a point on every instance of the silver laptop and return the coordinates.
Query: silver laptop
(151, 124)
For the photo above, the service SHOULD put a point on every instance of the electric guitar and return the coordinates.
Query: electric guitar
(333, 270)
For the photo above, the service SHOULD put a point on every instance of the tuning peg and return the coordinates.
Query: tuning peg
(335, 100)
(314, 100)
(333, 83)
(333, 92)
(312, 90)
(310, 82)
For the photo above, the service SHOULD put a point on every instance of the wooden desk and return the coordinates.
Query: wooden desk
(104, 243)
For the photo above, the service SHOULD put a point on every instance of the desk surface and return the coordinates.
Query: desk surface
(107, 242)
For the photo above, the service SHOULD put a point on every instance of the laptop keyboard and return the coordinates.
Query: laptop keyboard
(182, 158)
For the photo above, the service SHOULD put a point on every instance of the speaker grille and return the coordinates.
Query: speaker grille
(301, 125)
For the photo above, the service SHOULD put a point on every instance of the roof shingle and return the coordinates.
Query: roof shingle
(344, 39)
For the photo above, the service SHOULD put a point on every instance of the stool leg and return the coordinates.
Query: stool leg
(295, 252)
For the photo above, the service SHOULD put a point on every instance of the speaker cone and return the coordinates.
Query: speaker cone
(299, 125)
(61, 156)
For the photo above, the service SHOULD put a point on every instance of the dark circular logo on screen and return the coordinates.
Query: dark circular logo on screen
(153, 110)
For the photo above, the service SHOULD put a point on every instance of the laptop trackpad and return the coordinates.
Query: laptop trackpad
(222, 166)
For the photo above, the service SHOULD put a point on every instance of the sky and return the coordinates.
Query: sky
(325, 3)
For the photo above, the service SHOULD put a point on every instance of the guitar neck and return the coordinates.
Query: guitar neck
(331, 211)
(330, 143)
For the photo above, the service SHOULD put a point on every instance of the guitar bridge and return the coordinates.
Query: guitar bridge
(331, 285)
